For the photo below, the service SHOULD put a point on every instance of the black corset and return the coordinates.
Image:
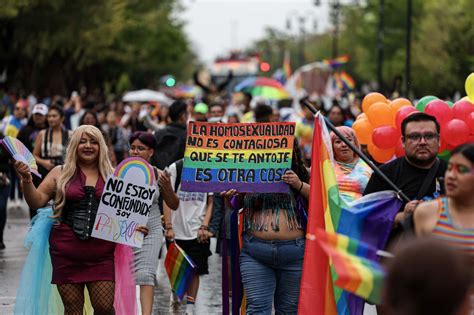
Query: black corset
(80, 214)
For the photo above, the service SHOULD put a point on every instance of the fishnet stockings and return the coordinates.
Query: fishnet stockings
(72, 296)
(101, 295)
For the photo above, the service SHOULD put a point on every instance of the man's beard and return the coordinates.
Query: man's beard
(419, 162)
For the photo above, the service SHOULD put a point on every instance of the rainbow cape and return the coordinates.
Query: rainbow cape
(355, 264)
(368, 219)
(180, 269)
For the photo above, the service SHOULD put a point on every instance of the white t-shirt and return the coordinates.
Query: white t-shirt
(188, 217)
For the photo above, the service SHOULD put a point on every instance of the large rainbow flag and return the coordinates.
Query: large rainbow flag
(355, 264)
(180, 269)
(368, 219)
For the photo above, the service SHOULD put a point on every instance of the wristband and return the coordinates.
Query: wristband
(301, 187)
(204, 227)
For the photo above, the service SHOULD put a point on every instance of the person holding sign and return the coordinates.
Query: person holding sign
(142, 145)
(274, 242)
(78, 260)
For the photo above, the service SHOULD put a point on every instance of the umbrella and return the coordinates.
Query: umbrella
(147, 96)
(265, 87)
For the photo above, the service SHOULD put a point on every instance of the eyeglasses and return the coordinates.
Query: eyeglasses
(416, 137)
(459, 168)
(137, 148)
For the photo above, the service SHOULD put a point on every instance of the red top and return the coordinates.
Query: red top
(75, 187)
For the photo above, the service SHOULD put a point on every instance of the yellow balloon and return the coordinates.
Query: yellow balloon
(470, 86)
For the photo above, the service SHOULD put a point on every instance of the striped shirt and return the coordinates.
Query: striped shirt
(451, 234)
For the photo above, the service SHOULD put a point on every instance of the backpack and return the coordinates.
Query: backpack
(179, 171)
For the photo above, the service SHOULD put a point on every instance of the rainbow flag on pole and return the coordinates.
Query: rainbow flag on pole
(368, 219)
(180, 269)
(355, 264)
(336, 62)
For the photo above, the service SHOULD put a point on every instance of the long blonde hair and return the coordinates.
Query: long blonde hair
(70, 163)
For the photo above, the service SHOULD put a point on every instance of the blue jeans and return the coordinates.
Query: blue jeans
(271, 270)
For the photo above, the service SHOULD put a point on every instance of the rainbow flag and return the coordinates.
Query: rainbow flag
(368, 219)
(355, 264)
(336, 62)
(180, 269)
(344, 81)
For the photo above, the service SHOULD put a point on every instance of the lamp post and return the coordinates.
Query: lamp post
(301, 18)
(408, 49)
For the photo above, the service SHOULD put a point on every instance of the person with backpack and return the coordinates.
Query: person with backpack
(142, 145)
(171, 140)
(187, 226)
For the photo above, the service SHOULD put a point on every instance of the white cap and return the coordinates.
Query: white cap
(40, 109)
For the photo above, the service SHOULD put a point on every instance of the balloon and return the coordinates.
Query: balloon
(363, 130)
(402, 113)
(456, 131)
(399, 149)
(385, 137)
(424, 101)
(380, 155)
(440, 110)
(398, 103)
(450, 104)
(469, 85)
(371, 99)
(470, 122)
(465, 98)
(361, 116)
(462, 110)
(443, 145)
(445, 155)
(380, 114)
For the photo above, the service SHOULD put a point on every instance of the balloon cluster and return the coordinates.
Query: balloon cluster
(379, 126)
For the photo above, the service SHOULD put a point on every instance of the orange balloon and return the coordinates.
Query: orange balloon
(380, 114)
(398, 103)
(371, 99)
(380, 155)
(361, 116)
(363, 129)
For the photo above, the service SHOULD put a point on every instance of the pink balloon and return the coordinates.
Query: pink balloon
(462, 110)
(402, 113)
(385, 137)
(440, 110)
(456, 131)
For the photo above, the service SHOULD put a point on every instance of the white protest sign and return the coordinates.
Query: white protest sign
(125, 203)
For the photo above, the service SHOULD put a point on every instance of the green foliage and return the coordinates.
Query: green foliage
(58, 45)
(442, 53)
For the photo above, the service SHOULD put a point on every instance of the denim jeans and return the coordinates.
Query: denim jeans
(271, 270)
(4, 193)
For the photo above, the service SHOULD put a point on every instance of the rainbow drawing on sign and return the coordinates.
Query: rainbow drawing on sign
(135, 163)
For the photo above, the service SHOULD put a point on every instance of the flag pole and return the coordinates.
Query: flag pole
(357, 151)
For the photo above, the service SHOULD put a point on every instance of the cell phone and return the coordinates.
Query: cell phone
(74, 94)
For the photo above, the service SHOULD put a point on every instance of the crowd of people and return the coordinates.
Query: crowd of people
(78, 141)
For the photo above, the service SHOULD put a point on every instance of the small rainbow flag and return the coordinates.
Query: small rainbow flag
(336, 62)
(180, 269)
(355, 264)
(344, 81)
(287, 65)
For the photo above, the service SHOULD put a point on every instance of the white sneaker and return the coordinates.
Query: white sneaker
(190, 309)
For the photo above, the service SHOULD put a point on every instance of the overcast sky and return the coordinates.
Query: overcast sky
(217, 26)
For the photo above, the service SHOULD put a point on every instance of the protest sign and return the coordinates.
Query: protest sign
(125, 203)
(247, 157)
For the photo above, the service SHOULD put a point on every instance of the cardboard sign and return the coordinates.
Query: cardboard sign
(125, 203)
(247, 157)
